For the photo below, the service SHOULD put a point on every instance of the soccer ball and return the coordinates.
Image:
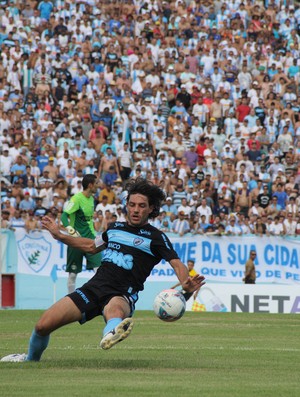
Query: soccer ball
(169, 305)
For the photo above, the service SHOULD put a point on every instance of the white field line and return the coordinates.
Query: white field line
(171, 347)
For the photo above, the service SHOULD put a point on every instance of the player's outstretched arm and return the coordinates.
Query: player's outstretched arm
(194, 283)
(189, 284)
(84, 244)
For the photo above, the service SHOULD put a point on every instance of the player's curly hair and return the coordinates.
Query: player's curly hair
(155, 195)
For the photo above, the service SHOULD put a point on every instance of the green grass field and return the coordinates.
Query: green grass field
(203, 354)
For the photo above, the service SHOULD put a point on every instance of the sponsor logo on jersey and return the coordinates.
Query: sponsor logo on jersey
(138, 241)
(146, 232)
(114, 245)
(119, 224)
(122, 260)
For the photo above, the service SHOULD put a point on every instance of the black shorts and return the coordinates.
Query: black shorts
(91, 303)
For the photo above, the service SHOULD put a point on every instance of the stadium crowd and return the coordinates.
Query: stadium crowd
(201, 97)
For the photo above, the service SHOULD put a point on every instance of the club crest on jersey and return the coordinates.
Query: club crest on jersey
(137, 241)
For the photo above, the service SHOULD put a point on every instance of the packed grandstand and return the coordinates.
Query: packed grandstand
(201, 97)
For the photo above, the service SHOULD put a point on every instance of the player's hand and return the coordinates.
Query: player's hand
(193, 283)
(50, 225)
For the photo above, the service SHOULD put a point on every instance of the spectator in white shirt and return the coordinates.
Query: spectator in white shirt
(181, 225)
(204, 209)
(290, 225)
(276, 228)
(184, 207)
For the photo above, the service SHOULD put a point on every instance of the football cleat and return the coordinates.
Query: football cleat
(14, 358)
(119, 333)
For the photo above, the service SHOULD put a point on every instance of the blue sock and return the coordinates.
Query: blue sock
(37, 344)
(111, 324)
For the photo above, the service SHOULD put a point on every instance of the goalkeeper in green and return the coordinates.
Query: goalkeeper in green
(77, 218)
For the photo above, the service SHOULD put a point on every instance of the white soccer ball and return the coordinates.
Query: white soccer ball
(169, 305)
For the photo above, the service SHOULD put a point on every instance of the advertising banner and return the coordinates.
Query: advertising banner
(39, 254)
(39, 263)
(222, 259)
(219, 259)
(246, 299)
(8, 252)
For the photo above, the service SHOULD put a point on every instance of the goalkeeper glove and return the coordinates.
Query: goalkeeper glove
(72, 232)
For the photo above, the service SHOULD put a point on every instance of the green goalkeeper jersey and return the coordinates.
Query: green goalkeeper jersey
(79, 214)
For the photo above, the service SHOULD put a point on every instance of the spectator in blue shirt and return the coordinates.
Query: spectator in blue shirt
(18, 170)
(281, 195)
(169, 207)
(111, 176)
(45, 8)
(80, 80)
(42, 160)
(27, 203)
